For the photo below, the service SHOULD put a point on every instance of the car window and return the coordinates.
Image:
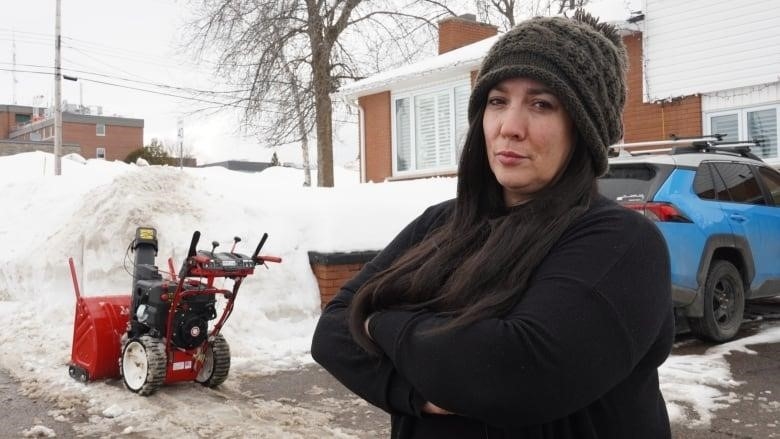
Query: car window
(771, 180)
(632, 182)
(721, 191)
(703, 184)
(740, 183)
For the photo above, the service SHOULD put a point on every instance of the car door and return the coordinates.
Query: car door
(755, 217)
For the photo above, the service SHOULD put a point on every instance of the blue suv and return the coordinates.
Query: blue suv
(718, 207)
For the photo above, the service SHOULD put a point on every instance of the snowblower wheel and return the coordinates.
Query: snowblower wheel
(216, 363)
(142, 365)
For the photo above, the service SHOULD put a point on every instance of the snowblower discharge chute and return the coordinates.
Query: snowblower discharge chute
(161, 333)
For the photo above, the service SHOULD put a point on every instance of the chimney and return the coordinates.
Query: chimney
(456, 32)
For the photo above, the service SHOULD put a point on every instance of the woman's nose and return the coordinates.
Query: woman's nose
(514, 123)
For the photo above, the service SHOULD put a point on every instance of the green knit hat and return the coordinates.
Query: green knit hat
(581, 60)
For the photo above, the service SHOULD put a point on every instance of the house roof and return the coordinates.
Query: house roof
(459, 61)
(464, 59)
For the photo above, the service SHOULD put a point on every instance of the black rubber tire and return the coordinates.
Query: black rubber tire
(155, 357)
(724, 304)
(216, 364)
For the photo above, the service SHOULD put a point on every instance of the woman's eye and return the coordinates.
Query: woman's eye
(542, 104)
(495, 100)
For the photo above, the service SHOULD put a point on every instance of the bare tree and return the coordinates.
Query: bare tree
(508, 12)
(288, 56)
(171, 147)
(299, 102)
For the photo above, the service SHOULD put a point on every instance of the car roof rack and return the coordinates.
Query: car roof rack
(686, 145)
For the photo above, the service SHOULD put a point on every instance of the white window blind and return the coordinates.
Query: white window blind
(429, 127)
(762, 127)
(727, 124)
(403, 135)
(462, 94)
(749, 124)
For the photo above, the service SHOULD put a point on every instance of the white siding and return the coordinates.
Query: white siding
(740, 97)
(703, 46)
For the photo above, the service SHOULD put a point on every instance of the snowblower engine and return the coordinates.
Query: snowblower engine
(151, 300)
(163, 332)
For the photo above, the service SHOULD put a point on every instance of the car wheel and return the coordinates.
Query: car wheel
(724, 304)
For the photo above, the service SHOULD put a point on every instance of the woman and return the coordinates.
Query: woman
(529, 306)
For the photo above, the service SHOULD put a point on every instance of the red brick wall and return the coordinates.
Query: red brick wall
(377, 142)
(5, 122)
(330, 278)
(456, 32)
(119, 141)
(651, 121)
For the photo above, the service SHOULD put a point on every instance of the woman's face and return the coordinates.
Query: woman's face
(528, 137)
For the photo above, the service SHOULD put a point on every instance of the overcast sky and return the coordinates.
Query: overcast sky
(119, 48)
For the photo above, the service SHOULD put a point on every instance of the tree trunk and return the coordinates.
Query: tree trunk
(323, 108)
(306, 164)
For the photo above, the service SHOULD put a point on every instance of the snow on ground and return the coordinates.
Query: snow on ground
(90, 213)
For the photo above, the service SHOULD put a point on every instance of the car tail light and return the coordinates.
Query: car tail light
(663, 212)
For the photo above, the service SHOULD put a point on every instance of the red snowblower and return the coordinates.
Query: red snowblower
(160, 333)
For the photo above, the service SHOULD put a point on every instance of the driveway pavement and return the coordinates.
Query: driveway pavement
(754, 413)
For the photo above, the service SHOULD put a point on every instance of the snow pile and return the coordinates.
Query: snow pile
(90, 213)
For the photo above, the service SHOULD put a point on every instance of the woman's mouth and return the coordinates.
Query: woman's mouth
(510, 158)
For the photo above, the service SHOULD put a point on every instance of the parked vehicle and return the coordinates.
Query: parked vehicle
(718, 206)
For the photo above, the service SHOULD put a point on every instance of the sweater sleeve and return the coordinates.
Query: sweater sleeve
(374, 378)
(594, 306)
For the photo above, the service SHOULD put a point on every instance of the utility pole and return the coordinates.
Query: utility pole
(57, 95)
(180, 139)
(13, 73)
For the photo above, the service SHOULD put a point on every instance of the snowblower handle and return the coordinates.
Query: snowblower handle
(259, 246)
(263, 259)
(75, 279)
(194, 244)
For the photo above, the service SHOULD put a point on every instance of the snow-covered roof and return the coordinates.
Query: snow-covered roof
(462, 60)
(444, 66)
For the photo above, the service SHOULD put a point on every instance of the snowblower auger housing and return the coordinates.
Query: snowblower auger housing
(163, 334)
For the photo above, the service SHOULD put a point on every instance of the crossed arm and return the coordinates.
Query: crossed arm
(564, 344)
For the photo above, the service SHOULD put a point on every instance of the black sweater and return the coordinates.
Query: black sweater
(577, 357)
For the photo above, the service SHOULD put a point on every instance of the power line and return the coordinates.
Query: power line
(189, 98)
(154, 84)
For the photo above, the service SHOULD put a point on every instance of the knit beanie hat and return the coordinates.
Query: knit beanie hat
(581, 60)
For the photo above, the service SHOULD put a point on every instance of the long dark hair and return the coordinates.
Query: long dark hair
(478, 263)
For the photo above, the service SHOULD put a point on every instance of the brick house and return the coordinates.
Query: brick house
(25, 128)
(413, 118)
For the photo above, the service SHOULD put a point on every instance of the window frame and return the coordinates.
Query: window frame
(97, 129)
(456, 144)
(742, 122)
(98, 151)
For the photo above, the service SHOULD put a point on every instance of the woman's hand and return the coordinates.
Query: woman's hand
(433, 409)
(365, 326)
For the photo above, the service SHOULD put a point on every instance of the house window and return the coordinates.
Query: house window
(757, 124)
(100, 129)
(429, 126)
(21, 119)
(100, 152)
